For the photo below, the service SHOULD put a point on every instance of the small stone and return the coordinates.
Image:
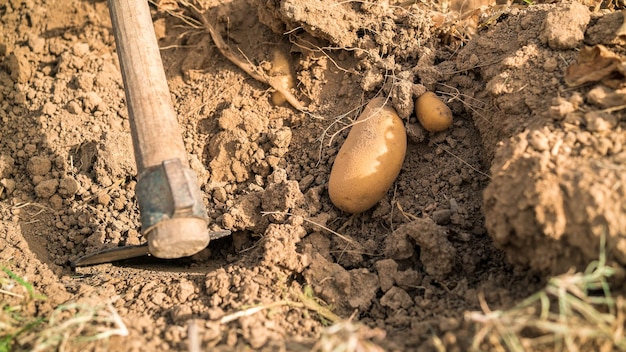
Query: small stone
(584, 138)
(185, 290)
(119, 203)
(455, 180)
(387, 269)
(550, 64)
(396, 298)
(281, 138)
(278, 176)
(45, 189)
(538, 141)
(306, 181)
(6, 166)
(8, 184)
(104, 198)
(415, 132)
(606, 97)
(68, 187)
(160, 28)
(92, 102)
(598, 121)
(49, 108)
(442, 217)
(56, 202)
(576, 99)
(408, 279)
(36, 44)
(39, 165)
(19, 66)
(73, 107)
(219, 194)
(228, 221)
(398, 246)
(80, 49)
(181, 313)
(560, 108)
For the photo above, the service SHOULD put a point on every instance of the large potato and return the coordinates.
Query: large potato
(369, 160)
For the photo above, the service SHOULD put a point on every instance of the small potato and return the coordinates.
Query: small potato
(369, 160)
(432, 113)
(281, 69)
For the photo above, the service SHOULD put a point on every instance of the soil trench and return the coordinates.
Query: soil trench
(523, 185)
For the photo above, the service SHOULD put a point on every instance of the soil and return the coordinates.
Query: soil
(523, 185)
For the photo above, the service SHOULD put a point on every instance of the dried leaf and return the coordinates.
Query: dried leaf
(594, 64)
(167, 5)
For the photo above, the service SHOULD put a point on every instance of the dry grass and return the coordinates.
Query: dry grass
(349, 336)
(574, 312)
(70, 324)
(17, 294)
(75, 323)
(340, 335)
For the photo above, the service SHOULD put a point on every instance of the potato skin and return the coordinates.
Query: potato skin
(281, 67)
(369, 160)
(432, 113)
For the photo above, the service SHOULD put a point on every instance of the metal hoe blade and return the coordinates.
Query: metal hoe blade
(127, 252)
(112, 255)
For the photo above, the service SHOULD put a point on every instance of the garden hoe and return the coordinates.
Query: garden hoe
(173, 217)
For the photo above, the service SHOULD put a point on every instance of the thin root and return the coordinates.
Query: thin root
(274, 82)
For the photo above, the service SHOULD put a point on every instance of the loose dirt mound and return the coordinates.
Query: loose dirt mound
(557, 182)
(407, 269)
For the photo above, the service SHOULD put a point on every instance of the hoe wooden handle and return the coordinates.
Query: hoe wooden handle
(173, 215)
(154, 126)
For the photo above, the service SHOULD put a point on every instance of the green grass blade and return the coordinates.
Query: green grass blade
(28, 286)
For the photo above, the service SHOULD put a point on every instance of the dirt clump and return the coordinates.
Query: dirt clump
(437, 255)
(557, 146)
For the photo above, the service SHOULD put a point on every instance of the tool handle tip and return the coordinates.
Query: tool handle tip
(178, 237)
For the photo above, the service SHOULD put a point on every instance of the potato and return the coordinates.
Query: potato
(432, 113)
(281, 68)
(369, 160)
